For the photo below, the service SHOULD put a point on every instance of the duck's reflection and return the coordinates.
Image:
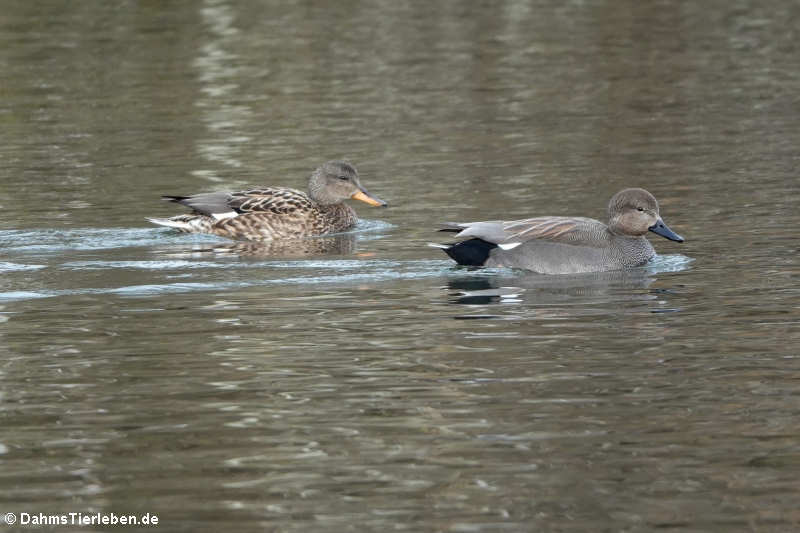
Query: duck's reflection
(481, 291)
(343, 244)
(487, 289)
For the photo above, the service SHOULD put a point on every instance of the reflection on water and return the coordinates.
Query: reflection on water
(575, 294)
(219, 71)
(362, 381)
(336, 245)
(51, 242)
(489, 285)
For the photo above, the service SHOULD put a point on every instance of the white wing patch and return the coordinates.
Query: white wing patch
(509, 245)
(223, 216)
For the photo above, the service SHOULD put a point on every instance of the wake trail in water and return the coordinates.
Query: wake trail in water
(40, 263)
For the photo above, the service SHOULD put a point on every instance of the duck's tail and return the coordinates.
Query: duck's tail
(472, 252)
(185, 223)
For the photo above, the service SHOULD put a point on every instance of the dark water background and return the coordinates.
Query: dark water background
(374, 387)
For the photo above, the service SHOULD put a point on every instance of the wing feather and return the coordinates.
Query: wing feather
(222, 204)
(564, 230)
(557, 229)
(278, 200)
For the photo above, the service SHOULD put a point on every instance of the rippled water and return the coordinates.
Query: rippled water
(362, 382)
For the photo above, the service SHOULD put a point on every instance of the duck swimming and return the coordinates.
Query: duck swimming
(565, 245)
(276, 212)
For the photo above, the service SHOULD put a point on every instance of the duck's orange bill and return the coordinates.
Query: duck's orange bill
(368, 198)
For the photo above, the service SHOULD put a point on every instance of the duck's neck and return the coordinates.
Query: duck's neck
(320, 194)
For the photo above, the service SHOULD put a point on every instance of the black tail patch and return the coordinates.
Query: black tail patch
(176, 199)
(472, 252)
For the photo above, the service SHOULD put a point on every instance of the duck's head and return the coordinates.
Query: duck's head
(336, 181)
(634, 212)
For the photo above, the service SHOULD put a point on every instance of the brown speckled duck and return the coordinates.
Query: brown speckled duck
(565, 245)
(276, 212)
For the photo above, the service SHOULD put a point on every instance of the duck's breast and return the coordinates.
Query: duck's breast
(333, 218)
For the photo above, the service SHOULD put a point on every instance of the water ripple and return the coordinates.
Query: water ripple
(356, 271)
(76, 250)
(14, 267)
(56, 240)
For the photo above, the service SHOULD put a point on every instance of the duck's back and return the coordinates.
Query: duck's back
(278, 200)
(280, 213)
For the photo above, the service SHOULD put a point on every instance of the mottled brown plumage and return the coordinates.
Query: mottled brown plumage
(269, 213)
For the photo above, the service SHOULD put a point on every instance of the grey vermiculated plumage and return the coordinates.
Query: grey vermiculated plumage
(268, 213)
(566, 245)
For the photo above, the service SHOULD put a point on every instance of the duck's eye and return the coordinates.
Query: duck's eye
(343, 178)
(640, 209)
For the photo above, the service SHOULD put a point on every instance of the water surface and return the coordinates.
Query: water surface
(362, 382)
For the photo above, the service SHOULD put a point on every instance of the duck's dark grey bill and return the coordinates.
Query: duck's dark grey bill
(662, 229)
(366, 197)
